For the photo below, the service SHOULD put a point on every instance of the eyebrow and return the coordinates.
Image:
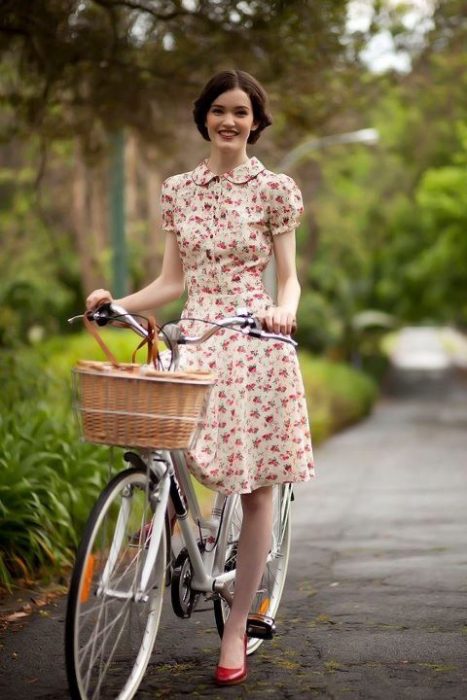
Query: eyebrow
(216, 104)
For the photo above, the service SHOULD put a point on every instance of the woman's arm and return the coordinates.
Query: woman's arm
(281, 318)
(165, 288)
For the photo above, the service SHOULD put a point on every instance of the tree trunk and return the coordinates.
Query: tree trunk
(85, 243)
(99, 205)
(309, 177)
(155, 238)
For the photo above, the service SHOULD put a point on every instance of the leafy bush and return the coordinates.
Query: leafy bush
(48, 478)
(61, 354)
(38, 290)
(337, 395)
(48, 481)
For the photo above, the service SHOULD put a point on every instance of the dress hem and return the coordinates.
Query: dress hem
(257, 484)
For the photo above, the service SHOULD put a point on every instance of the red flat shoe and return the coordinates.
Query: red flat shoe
(232, 676)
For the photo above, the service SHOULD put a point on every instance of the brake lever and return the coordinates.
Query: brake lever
(102, 315)
(75, 318)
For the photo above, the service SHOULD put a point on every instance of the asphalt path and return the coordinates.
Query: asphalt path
(375, 604)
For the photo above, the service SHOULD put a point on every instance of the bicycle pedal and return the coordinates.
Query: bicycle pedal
(260, 626)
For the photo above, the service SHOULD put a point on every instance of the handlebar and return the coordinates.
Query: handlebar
(243, 321)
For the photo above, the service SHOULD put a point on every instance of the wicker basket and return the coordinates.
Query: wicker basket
(134, 406)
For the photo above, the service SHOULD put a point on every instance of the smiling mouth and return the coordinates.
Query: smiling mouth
(227, 134)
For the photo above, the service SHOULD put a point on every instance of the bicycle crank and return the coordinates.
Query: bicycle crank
(183, 597)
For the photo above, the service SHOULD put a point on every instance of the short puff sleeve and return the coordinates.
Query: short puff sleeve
(285, 205)
(168, 204)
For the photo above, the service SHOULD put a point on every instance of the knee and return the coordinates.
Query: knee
(258, 500)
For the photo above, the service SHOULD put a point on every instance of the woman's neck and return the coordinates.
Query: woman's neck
(219, 163)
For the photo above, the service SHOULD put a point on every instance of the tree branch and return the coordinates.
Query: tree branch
(16, 31)
(135, 5)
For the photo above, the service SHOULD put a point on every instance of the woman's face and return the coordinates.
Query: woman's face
(230, 119)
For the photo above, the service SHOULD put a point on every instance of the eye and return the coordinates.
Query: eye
(216, 110)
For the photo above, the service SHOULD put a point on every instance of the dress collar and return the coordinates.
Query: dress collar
(239, 176)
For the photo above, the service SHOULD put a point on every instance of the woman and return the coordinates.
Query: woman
(223, 221)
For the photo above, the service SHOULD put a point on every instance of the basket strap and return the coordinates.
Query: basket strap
(151, 342)
(153, 351)
(107, 352)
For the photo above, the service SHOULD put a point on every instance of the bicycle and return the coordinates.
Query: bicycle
(126, 557)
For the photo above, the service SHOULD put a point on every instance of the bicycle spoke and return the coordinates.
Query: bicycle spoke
(111, 632)
(103, 672)
(269, 591)
(102, 631)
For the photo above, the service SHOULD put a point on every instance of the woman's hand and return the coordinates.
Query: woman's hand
(278, 319)
(97, 298)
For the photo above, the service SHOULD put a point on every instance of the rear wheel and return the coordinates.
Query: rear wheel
(111, 625)
(268, 596)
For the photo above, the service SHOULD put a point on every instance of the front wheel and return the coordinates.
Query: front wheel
(111, 623)
(269, 593)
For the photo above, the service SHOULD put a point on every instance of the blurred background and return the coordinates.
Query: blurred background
(369, 106)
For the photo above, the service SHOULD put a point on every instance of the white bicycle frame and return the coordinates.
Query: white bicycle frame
(208, 575)
(207, 567)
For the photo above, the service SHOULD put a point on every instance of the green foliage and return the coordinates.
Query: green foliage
(48, 478)
(38, 273)
(337, 395)
(389, 218)
(441, 268)
(66, 65)
(392, 218)
(48, 481)
(63, 353)
(319, 324)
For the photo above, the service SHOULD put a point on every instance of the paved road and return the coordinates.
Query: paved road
(376, 600)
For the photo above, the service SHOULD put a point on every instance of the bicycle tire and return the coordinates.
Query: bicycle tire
(109, 640)
(270, 590)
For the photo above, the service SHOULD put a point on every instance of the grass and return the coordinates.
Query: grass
(49, 479)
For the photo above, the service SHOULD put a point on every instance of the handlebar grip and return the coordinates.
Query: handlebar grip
(101, 315)
(259, 326)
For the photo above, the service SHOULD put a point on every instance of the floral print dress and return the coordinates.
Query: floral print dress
(256, 431)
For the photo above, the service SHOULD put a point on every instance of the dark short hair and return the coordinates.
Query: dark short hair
(231, 80)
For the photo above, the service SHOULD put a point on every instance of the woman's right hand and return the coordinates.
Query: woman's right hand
(97, 298)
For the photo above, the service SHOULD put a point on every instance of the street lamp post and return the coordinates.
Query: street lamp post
(299, 153)
(368, 136)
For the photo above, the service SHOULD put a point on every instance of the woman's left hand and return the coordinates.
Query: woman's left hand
(278, 319)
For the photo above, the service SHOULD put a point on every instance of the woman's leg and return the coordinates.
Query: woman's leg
(253, 547)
